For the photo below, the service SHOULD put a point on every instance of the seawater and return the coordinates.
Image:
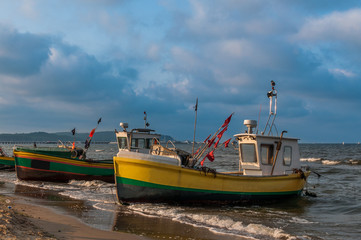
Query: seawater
(334, 214)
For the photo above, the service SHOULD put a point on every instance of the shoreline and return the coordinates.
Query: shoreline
(25, 220)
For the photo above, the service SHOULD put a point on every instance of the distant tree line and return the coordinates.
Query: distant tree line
(105, 136)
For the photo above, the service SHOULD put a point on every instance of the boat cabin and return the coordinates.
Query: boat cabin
(137, 140)
(142, 140)
(266, 155)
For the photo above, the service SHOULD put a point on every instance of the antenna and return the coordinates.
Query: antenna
(272, 95)
(195, 125)
(146, 124)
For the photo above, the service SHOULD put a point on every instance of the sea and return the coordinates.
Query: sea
(331, 211)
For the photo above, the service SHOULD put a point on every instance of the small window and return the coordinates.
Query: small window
(287, 155)
(148, 143)
(267, 153)
(122, 142)
(248, 153)
(141, 142)
(134, 142)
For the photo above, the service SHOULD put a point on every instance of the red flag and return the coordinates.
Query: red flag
(210, 142)
(73, 146)
(92, 133)
(203, 161)
(221, 133)
(210, 156)
(207, 138)
(226, 122)
(227, 142)
(216, 144)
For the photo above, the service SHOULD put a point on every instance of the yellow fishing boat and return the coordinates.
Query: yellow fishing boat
(269, 167)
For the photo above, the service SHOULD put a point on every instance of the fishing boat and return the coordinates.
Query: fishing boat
(6, 162)
(61, 164)
(268, 167)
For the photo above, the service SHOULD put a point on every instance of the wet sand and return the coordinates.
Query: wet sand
(23, 220)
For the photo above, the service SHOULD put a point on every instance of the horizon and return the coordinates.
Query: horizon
(177, 140)
(61, 69)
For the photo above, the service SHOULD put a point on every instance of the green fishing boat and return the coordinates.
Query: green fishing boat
(6, 162)
(59, 164)
(62, 163)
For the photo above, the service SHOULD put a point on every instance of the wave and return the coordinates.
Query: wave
(300, 220)
(310, 159)
(331, 162)
(95, 191)
(344, 162)
(354, 162)
(214, 223)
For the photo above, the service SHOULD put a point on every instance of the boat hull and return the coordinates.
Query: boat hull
(7, 162)
(150, 181)
(54, 166)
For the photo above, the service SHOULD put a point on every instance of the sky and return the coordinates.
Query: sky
(66, 63)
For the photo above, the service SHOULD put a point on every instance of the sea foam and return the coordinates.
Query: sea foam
(214, 223)
(329, 162)
(310, 159)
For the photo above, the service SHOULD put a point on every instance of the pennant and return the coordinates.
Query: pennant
(221, 132)
(196, 106)
(210, 156)
(226, 122)
(207, 138)
(73, 131)
(227, 142)
(216, 144)
(92, 133)
(100, 119)
(210, 142)
(203, 161)
(73, 146)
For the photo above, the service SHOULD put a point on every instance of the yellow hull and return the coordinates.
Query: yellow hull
(145, 180)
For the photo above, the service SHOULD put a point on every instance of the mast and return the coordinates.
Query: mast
(272, 95)
(195, 124)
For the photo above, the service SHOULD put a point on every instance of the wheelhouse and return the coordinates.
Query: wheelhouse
(137, 140)
(267, 155)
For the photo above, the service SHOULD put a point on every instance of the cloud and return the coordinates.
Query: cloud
(42, 73)
(21, 54)
(337, 26)
(342, 72)
(116, 60)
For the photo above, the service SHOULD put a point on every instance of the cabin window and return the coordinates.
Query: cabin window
(287, 155)
(134, 142)
(148, 143)
(267, 153)
(138, 142)
(248, 152)
(141, 142)
(122, 142)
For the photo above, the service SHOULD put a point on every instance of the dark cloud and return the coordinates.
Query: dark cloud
(22, 54)
(225, 53)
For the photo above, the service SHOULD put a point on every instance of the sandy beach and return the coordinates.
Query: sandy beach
(24, 220)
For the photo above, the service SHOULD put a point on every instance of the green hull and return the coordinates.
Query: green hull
(6, 162)
(60, 165)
